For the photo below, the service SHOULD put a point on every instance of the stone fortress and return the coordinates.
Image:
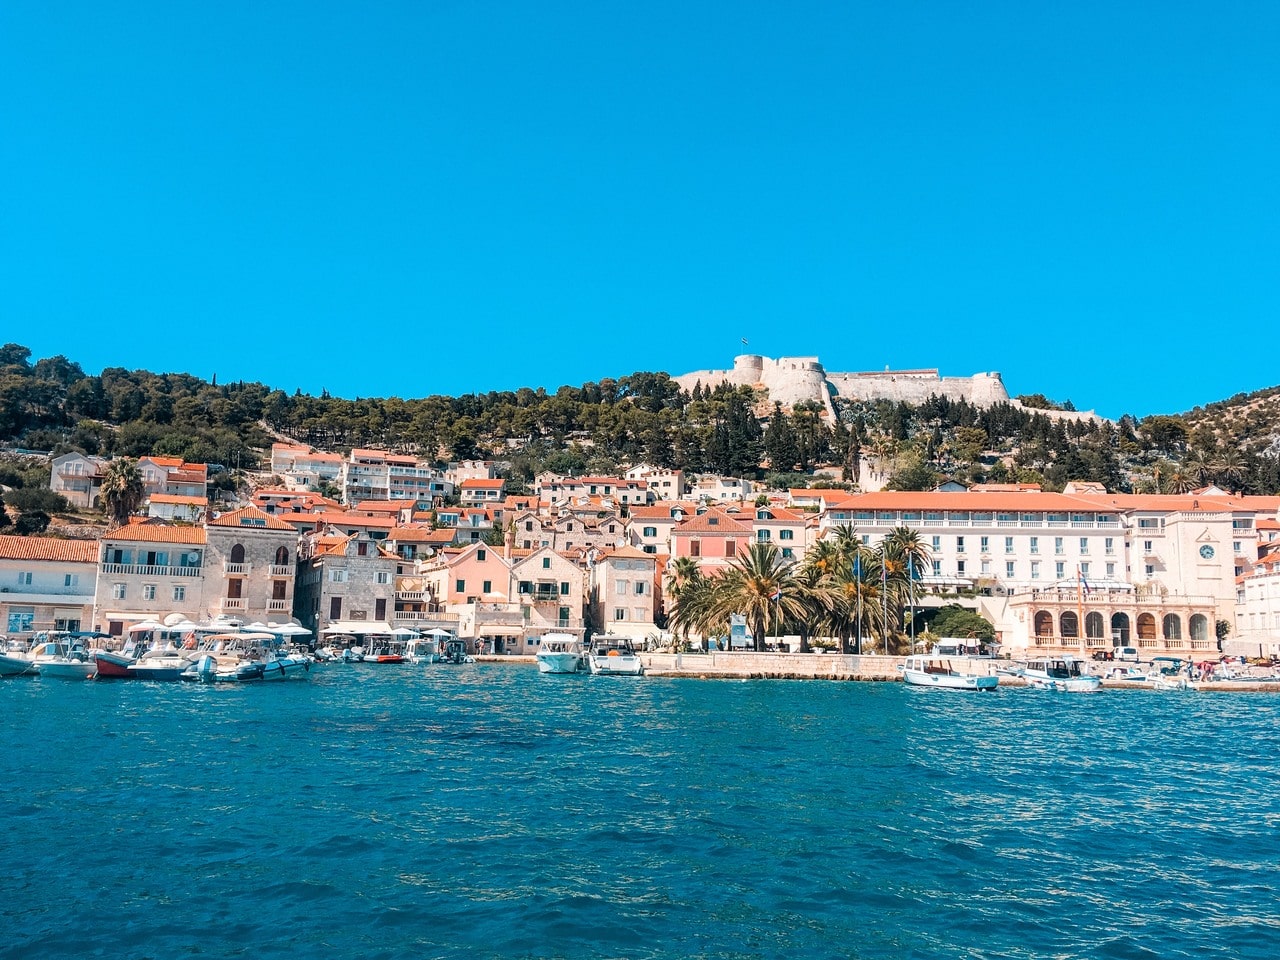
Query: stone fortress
(792, 380)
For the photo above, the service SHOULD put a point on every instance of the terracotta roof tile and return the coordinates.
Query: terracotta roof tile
(249, 517)
(156, 533)
(48, 548)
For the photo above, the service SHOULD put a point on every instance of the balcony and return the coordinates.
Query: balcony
(145, 570)
(425, 616)
(236, 569)
(227, 604)
(279, 606)
(507, 618)
(412, 596)
(281, 570)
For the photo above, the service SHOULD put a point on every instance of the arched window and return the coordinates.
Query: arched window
(1070, 625)
(1146, 626)
(1044, 624)
(1120, 629)
(1199, 627)
(1172, 626)
(282, 557)
(237, 553)
(1094, 625)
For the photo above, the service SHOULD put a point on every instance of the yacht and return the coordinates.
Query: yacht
(559, 653)
(614, 656)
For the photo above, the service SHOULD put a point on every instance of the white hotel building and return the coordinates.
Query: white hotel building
(1154, 572)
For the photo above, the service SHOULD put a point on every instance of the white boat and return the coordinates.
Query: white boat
(559, 653)
(58, 658)
(243, 657)
(932, 670)
(1063, 674)
(159, 663)
(614, 656)
(15, 661)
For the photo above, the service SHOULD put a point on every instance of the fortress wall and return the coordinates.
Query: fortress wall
(982, 389)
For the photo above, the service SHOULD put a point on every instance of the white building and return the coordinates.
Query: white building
(46, 584)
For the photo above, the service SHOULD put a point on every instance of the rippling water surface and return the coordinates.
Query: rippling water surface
(488, 811)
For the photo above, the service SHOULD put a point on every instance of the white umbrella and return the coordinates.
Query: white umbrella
(437, 632)
(290, 630)
(146, 625)
(404, 632)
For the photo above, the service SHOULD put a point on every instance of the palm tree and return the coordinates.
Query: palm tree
(122, 490)
(696, 608)
(816, 596)
(760, 585)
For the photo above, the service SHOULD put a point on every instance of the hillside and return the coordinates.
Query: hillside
(53, 405)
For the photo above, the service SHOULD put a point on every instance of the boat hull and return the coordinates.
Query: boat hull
(113, 665)
(15, 666)
(559, 662)
(949, 681)
(68, 670)
(616, 666)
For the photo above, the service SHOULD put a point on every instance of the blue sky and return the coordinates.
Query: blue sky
(445, 197)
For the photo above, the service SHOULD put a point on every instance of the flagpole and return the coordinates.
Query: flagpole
(857, 585)
(1080, 606)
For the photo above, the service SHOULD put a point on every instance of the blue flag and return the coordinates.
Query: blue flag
(911, 568)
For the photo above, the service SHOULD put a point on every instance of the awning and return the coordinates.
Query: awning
(356, 628)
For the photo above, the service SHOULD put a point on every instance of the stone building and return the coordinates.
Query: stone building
(344, 582)
(251, 562)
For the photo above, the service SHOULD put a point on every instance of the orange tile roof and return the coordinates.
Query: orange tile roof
(702, 523)
(156, 533)
(383, 506)
(628, 553)
(174, 498)
(260, 519)
(48, 548)
(483, 484)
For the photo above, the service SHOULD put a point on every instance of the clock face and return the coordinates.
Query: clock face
(1207, 552)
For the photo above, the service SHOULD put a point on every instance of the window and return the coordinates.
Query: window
(641, 613)
(695, 548)
(546, 563)
(731, 548)
(460, 586)
(620, 613)
(528, 525)
(564, 616)
(984, 544)
(337, 576)
(564, 588)
(1084, 570)
(786, 534)
(763, 536)
(1235, 546)
(1008, 544)
(787, 552)
(384, 577)
(1035, 569)
(148, 591)
(482, 555)
(1057, 545)
(1008, 569)
(985, 568)
(960, 568)
(117, 591)
(650, 548)
(1111, 571)
(525, 586)
(71, 580)
(1148, 546)
(640, 588)
(650, 531)
(1059, 569)
(959, 544)
(335, 608)
(937, 542)
(937, 568)
(622, 588)
(362, 549)
(1035, 544)
(486, 586)
(21, 619)
(380, 608)
(1150, 570)
(1109, 546)
(1084, 545)
(179, 593)
(24, 579)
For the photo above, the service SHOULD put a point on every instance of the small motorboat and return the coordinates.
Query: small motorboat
(1063, 674)
(614, 656)
(559, 653)
(929, 670)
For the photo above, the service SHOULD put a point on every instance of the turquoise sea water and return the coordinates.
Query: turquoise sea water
(489, 811)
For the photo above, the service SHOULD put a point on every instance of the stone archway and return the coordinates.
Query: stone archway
(1120, 629)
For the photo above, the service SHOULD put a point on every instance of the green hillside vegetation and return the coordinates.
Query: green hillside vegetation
(51, 404)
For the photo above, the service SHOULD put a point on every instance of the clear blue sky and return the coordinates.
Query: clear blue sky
(446, 197)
